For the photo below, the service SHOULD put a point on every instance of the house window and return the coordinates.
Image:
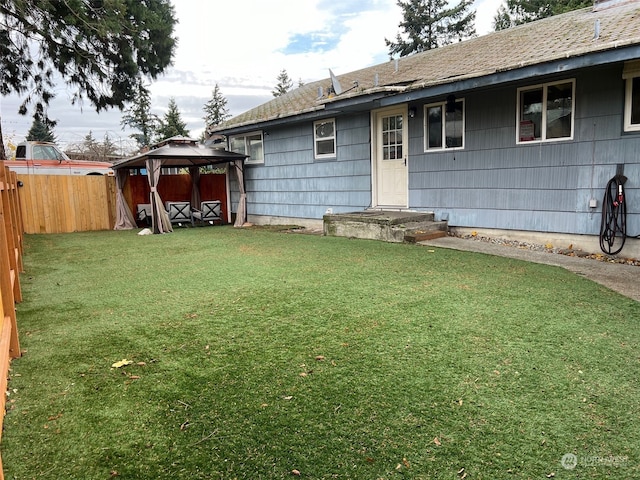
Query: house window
(546, 112)
(444, 125)
(324, 138)
(248, 144)
(631, 75)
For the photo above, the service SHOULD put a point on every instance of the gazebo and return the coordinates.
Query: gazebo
(175, 152)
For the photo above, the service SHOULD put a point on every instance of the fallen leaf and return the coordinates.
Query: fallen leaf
(303, 374)
(295, 472)
(461, 471)
(122, 363)
(551, 475)
(185, 425)
(134, 377)
(141, 364)
(320, 358)
(437, 441)
(406, 463)
(288, 397)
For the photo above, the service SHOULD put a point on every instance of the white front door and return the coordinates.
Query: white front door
(390, 157)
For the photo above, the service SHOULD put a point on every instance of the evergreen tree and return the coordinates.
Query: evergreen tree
(171, 124)
(139, 117)
(429, 24)
(284, 84)
(98, 48)
(517, 12)
(216, 110)
(41, 129)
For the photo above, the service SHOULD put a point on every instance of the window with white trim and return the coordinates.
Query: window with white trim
(248, 144)
(444, 125)
(546, 112)
(631, 75)
(324, 138)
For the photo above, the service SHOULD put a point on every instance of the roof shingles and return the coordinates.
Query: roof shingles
(562, 36)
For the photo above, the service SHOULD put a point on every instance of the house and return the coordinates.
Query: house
(515, 133)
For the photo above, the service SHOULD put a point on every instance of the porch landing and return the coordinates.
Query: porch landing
(385, 225)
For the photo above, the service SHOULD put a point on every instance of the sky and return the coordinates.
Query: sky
(242, 45)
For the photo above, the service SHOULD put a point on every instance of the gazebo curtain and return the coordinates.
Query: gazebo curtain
(241, 212)
(159, 216)
(124, 217)
(195, 187)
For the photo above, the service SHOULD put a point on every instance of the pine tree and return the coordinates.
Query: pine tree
(429, 24)
(284, 84)
(139, 117)
(172, 124)
(517, 12)
(216, 110)
(41, 129)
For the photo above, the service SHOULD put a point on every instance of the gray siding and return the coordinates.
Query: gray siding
(291, 183)
(494, 183)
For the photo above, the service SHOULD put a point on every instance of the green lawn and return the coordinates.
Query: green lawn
(260, 355)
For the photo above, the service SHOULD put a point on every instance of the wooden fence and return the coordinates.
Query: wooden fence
(10, 267)
(66, 203)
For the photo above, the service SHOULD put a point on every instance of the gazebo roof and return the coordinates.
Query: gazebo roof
(182, 152)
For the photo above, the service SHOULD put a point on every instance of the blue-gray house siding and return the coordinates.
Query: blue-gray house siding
(545, 186)
(291, 183)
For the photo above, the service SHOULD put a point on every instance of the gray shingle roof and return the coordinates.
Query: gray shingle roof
(554, 38)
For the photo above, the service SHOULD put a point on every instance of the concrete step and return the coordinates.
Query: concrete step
(388, 226)
(381, 217)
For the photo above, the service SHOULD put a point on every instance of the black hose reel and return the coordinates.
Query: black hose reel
(613, 228)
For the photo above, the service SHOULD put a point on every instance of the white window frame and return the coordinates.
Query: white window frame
(247, 146)
(543, 127)
(628, 102)
(316, 139)
(425, 127)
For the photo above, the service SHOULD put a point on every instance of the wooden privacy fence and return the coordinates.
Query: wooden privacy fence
(67, 203)
(10, 268)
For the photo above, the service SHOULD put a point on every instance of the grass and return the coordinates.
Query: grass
(259, 355)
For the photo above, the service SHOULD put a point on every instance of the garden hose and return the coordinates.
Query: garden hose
(613, 228)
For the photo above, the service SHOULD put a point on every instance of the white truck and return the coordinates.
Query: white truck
(45, 158)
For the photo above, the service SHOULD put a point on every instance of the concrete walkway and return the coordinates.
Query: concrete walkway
(624, 279)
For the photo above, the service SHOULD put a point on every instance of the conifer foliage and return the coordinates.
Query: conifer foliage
(429, 24)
